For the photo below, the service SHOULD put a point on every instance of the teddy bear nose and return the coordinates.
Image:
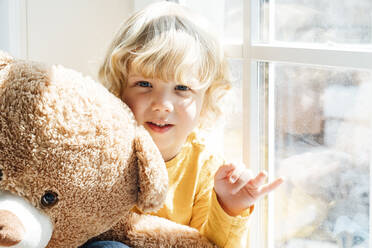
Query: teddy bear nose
(11, 229)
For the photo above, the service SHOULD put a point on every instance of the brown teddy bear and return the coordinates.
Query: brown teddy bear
(74, 162)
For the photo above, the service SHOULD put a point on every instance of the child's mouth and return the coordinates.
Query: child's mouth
(160, 128)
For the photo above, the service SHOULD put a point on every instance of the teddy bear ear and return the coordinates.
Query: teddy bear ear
(152, 173)
(5, 59)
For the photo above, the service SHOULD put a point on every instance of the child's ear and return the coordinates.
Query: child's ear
(152, 173)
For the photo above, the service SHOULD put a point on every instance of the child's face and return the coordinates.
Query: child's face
(168, 110)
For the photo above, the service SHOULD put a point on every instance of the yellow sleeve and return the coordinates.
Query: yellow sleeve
(225, 230)
(212, 221)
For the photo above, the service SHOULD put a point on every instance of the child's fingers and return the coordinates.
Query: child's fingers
(258, 180)
(244, 177)
(235, 174)
(271, 186)
(224, 171)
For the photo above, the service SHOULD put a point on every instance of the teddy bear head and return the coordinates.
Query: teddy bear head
(73, 160)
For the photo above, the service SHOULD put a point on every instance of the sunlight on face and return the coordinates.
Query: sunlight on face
(168, 110)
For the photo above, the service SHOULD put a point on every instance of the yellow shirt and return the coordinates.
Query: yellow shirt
(192, 201)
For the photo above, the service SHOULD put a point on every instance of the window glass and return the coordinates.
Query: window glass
(225, 138)
(328, 22)
(322, 143)
(233, 31)
(233, 128)
(225, 17)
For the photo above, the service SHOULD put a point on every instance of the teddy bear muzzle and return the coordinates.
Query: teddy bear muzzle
(11, 229)
(21, 224)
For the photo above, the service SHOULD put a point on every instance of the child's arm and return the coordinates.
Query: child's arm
(211, 219)
(237, 189)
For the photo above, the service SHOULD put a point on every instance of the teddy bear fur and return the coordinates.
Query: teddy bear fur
(64, 134)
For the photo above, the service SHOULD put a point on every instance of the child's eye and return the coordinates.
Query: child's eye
(182, 88)
(143, 84)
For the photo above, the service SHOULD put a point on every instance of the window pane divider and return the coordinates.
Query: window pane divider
(313, 55)
(346, 57)
(18, 28)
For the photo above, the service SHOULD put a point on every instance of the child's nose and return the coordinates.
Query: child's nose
(162, 103)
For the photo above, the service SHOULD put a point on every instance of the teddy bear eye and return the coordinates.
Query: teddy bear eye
(49, 199)
(1, 174)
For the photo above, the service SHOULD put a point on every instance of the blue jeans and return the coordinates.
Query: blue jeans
(104, 244)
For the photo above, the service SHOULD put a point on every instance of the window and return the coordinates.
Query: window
(321, 143)
(303, 73)
(310, 65)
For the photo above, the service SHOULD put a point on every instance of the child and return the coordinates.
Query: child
(173, 75)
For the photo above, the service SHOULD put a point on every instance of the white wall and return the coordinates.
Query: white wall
(140, 4)
(74, 33)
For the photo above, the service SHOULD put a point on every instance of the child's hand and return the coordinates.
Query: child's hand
(237, 189)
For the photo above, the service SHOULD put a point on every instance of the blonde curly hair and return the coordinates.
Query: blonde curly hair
(166, 41)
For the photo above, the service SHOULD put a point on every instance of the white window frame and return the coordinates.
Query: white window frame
(18, 29)
(252, 51)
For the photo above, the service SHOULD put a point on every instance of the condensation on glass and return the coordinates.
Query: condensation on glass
(322, 142)
(233, 126)
(325, 22)
(225, 18)
(233, 26)
(225, 138)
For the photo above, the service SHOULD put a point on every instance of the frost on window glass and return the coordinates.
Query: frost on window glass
(233, 30)
(226, 136)
(225, 18)
(331, 21)
(233, 126)
(323, 142)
